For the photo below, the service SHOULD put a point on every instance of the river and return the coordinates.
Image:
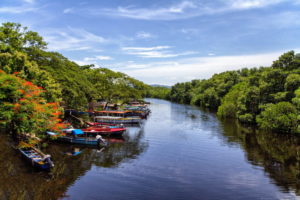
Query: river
(180, 152)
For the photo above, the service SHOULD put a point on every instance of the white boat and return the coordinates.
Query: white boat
(118, 120)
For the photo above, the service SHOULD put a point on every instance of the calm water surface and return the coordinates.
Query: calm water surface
(181, 152)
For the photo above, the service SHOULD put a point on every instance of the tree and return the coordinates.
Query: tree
(229, 106)
(285, 61)
(13, 35)
(23, 108)
(280, 117)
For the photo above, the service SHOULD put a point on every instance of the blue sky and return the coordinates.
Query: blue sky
(163, 42)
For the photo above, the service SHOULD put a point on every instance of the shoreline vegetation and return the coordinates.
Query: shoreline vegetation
(268, 97)
(36, 85)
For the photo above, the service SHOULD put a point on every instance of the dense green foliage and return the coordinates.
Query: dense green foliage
(267, 96)
(34, 81)
(23, 108)
(159, 92)
(24, 51)
(281, 116)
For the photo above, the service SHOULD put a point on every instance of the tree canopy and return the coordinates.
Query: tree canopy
(34, 83)
(24, 51)
(267, 96)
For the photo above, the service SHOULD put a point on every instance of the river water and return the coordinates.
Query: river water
(180, 152)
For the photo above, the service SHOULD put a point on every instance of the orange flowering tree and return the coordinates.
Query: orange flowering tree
(23, 108)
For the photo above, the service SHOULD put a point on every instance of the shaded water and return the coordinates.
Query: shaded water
(181, 152)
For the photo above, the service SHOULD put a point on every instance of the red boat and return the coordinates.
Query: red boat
(104, 130)
(97, 124)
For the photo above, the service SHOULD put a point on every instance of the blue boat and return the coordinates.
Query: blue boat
(37, 159)
(77, 137)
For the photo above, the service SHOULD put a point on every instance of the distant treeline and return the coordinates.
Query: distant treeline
(159, 92)
(266, 96)
(24, 52)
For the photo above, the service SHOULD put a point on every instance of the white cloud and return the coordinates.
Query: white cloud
(185, 9)
(68, 10)
(144, 35)
(29, 1)
(248, 4)
(169, 73)
(154, 52)
(98, 58)
(82, 62)
(170, 12)
(72, 39)
(17, 9)
(104, 58)
(87, 36)
(189, 31)
(145, 48)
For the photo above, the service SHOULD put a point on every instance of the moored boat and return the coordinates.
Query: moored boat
(37, 158)
(118, 120)
(116, 117)
(77, 136)
(104, 130)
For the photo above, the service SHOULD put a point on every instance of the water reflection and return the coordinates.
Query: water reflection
(182, 152)
(279, 155)
(20, 181)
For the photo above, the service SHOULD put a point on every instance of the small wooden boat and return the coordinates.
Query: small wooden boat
(116, 117)
(77, 136)
(118, 120)
(104, 124)
(104, 130)
(37, 158)
(138, 110)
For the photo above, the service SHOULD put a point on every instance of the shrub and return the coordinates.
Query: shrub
(281, 117)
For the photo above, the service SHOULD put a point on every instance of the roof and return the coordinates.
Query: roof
(77, 132)
(113, 111)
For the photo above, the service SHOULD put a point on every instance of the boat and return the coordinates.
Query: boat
(118, 120)
(37, 158)
(103, 124)
(77, 136)
(138, 110)
(116, 117)
(104, 130)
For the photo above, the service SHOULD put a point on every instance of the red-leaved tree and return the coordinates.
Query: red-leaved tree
(24, 110)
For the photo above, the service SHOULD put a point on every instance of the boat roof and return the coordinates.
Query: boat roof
(77, 132)
(108, 117)
(113, 111)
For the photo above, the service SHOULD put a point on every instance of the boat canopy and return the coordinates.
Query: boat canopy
(77, 132)
(113, 111)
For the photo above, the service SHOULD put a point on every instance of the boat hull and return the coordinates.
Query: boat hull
(82, 141)
(118, 121)
(29, 153)
(93, 131)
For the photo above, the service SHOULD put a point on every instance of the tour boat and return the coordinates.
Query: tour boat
(118, 120)
(116, 117)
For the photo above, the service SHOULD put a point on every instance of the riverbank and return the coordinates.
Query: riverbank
(267, 96)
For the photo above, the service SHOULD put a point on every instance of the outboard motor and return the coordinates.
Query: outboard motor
(47, 159)
(100, 140)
